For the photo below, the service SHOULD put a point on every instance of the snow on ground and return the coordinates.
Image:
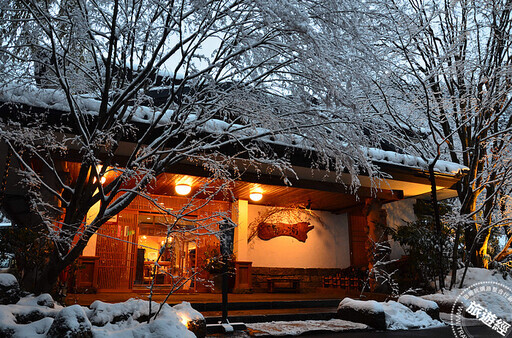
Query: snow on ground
(400, 317)
(475, 275)
(33, 317)
(492, 302)
(300, 327)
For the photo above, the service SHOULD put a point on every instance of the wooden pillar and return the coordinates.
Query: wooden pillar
(240, 210)
(243, 278)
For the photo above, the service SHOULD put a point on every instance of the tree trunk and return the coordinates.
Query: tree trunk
(455, 256)
(437, 221)
(42, 278)
(468, 197)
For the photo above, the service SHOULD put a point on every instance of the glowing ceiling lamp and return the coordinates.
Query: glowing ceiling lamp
(182, 189)
(255, 196)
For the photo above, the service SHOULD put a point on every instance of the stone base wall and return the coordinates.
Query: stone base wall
(310, 279)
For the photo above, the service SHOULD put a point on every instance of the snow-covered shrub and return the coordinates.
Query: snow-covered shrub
(384, 315)
(103, 313)
(368, 312)
(130, 318)
(416, 303)
(400, 317)
(39, 315)
(71, 322)
(167, 324)
(9, 289)
(420, 242)
(43, 299)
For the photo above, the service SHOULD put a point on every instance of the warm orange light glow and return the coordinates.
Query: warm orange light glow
(103, 179)
(184, 318)
(183, 189)
(255, 196)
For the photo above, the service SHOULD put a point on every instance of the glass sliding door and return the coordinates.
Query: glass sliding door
(166, 251)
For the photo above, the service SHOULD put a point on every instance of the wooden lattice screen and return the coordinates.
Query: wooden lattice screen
(116, 245)
(117, 252)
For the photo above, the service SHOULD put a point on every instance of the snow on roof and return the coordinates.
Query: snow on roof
(411, 161)
(56, 100)
(47, 98)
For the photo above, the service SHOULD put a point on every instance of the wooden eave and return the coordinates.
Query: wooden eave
(320, 194)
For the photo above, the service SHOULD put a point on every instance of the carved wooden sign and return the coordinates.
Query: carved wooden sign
(298, 231)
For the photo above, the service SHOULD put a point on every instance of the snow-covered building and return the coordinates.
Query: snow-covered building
(299, 231)
(272, 239)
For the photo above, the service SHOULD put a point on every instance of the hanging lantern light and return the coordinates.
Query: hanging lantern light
(182, 189)
(255, 196)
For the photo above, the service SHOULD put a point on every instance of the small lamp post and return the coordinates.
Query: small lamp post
(226, 237)
(227, 234)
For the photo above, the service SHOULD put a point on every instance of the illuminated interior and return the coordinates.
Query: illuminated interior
(178, 256)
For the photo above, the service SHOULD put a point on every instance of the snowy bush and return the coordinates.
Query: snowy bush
(416, 303)
(400, 317)
(40, 316)
(367, 312)
(71, 322)
(420, 242)
(9, 289)
(104, 313)
(384, 315)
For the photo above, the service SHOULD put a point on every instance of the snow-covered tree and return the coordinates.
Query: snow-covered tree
(448, 64)
(131, 88)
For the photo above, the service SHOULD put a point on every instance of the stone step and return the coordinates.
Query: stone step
(273, 316)
(254, 305)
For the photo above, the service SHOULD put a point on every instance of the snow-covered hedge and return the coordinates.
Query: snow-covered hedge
(9, 289)
(42, 317)
(384, 315)
(416, 303)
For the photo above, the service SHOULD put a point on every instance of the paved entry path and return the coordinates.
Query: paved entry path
(440, 332)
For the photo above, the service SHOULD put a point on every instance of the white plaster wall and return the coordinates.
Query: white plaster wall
(90, 249)
(399, 213)
(327, 245)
